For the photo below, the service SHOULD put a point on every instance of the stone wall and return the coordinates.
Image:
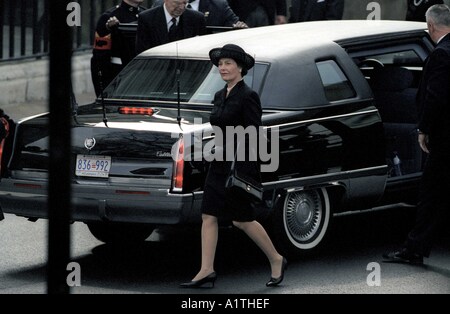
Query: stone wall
(27, 81)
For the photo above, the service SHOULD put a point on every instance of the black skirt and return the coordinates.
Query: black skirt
(216, 202)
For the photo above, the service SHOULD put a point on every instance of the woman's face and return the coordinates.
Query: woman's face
(229, 70)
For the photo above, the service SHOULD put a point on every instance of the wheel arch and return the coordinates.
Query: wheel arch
(299, 229)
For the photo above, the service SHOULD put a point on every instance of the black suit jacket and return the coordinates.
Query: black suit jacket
(273, 7)
(417, 12)
(217, 12)
(152, 27)
(316, 10)
(433, 98)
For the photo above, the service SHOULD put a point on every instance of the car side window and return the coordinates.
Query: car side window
(335, 83)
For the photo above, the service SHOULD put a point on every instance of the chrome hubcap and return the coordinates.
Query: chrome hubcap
(304, 213)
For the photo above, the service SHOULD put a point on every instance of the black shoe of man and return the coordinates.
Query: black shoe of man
(403, 256)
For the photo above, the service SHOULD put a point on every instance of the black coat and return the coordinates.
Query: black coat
(152, 27)
(217, 12)
(4, 132)
(417, 12)
(272, 8)
(241, 108)
(7, 130)
(120, 47)
(433, 98)
(316, 10)
(111, 43)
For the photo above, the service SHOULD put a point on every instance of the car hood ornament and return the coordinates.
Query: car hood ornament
(89, 143)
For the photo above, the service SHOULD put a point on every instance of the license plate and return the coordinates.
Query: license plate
(93, 166)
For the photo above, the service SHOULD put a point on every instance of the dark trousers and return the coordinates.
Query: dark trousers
(1, 215)
(109, 72)
(434, 205)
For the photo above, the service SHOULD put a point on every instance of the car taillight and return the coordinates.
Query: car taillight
(178, 166)
(137, 110)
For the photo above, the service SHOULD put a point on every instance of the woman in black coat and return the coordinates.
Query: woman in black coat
(235, 105)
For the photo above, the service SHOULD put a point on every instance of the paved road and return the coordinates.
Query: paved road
(160, 263)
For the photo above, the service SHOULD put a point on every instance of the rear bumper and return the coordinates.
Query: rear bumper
(116, 203)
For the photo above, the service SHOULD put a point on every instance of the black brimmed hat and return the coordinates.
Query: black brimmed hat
(233, 52)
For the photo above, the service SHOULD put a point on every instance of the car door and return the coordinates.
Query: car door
(393, 68)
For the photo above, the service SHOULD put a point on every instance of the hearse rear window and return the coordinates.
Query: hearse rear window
(158, 79)
(335, 83)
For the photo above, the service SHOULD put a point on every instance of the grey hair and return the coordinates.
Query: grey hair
(439, 14)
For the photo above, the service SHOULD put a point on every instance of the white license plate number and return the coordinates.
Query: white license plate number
(93, 166)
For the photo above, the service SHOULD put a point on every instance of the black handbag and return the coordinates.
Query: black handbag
(241, 184)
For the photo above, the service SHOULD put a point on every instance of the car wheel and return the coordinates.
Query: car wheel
(302, 223)
(115, 233)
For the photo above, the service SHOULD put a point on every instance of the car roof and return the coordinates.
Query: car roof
(274, 42)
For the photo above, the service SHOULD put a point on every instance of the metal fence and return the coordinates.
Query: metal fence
(24, 26)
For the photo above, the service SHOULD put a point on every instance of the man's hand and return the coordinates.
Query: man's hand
(240, 24)
(280, 19)
(112, 21)
(423, 142)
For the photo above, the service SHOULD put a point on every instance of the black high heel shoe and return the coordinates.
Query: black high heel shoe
(276, 281)
(211, 278)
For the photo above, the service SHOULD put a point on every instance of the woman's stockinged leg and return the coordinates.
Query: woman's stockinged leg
(258, 234)
(209, 234)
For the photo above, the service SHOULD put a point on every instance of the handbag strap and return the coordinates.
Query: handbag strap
(233, 163)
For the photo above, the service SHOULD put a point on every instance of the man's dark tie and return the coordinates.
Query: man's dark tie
(189, 6)
(173, 30)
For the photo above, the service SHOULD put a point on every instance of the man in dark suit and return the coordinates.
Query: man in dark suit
(217, 12)
(112, 51)
(316, 10)
(417, 8)
(433, 98)
(7, 129)
(260, 12)
(167, 23)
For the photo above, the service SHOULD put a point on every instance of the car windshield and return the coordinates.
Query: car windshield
(157, 79)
